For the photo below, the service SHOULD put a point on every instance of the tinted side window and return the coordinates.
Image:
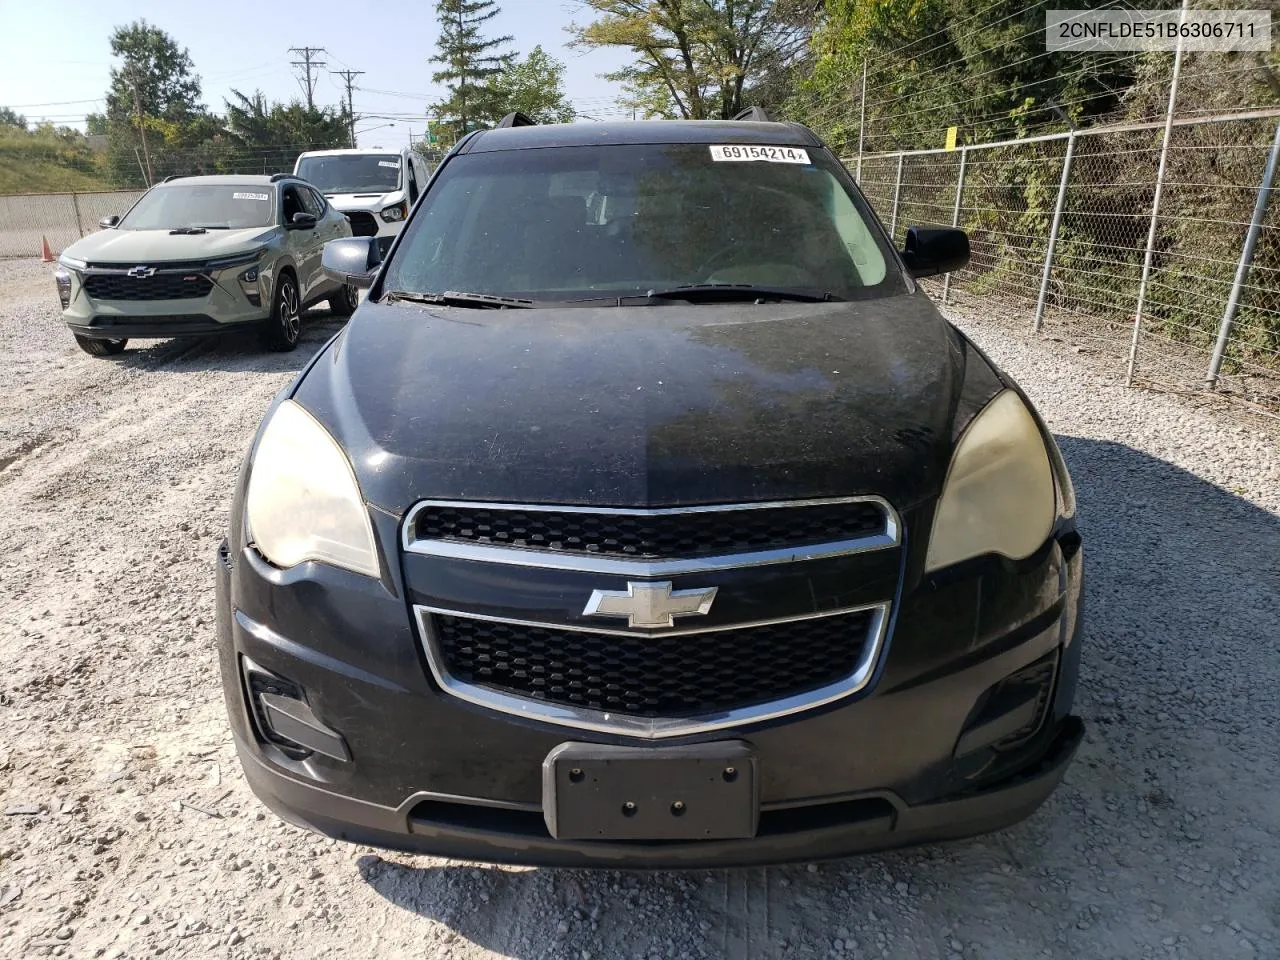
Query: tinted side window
(291, 203)
(413, 181)
(314, 203)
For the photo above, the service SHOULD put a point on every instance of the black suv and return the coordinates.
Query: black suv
(648, 513)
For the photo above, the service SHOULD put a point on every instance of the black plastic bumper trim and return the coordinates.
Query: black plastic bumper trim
(868, 828)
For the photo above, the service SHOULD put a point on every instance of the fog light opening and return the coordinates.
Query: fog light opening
(283, 718)
(1012, 711)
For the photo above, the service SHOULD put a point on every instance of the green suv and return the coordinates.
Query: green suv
(201, 255)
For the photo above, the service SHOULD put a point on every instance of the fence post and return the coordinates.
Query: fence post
(862, 123)
(897, 190)
(1155, 201)
(1246, 261)
(955, 215)
(75, 206)
(1053, 231)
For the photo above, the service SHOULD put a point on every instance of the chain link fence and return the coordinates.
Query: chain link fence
(60, 218)
(1061, 235)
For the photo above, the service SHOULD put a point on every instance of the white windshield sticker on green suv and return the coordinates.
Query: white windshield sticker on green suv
(743, 151)
(389, 163)
(251, 196)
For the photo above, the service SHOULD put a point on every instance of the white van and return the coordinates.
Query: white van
(374, 187)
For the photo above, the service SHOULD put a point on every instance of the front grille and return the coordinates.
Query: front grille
(362, 224)
(654, 676)
(161, 286)
(656, 535)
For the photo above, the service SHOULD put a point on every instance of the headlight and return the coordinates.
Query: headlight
(62, 279)
(71, 262)
(398, 212)
(999, 495)
(249, 286)
(303, 502)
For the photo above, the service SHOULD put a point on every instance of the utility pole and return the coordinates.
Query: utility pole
(310, 65)
(349, 76)
(142, 128)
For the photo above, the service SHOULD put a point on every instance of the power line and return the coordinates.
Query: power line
(350, 76)
(310, 65)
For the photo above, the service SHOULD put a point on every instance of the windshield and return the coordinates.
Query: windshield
(352, 173)
(220, 207)
(570, 223)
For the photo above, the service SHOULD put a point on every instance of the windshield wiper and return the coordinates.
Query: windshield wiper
(187, 230)
(735, 292)
(454, 298)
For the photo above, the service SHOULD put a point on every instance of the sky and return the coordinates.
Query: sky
(56, 66)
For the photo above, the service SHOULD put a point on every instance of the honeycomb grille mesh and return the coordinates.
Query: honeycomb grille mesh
(658, 537)
(654, 676)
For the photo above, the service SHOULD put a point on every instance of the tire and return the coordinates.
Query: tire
(282, 331)
(100, 348)
(344, 302)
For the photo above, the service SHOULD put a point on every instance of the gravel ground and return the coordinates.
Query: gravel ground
(127, 829)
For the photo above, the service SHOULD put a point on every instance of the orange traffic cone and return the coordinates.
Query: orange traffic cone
(46, 255)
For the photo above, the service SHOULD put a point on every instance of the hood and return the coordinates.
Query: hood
(342, 202)
(134, 247)
(643, 406)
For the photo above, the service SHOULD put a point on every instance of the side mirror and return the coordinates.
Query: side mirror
(106, 223)
(352, 260)
(930, 251)
(302, 221)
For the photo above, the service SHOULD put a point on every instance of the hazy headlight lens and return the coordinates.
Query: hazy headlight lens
(303, 501)
(392, 214)
(999, 494)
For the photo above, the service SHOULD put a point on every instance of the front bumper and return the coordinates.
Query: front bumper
(427, 772)
(838, 827)
(224, 308)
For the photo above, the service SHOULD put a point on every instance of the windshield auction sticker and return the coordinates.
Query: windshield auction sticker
(251, 196)
(745, 151)
(389, 163)
(1088, 31)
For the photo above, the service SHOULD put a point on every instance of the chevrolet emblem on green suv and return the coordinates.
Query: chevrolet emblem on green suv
(201, 255)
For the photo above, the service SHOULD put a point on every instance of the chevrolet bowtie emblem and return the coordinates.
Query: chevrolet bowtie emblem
(141, 272)
(650, 605)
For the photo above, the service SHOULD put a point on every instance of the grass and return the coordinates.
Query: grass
(30, 163)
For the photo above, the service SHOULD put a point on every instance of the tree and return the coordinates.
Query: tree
(535, 87)
(153, 102)
(268, 137)
(10, 119)
(469, 61)
(694, 58)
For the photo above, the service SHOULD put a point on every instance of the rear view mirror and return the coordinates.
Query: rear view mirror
(930, 251)
(352, 260)
(106, 223)
(302, 221)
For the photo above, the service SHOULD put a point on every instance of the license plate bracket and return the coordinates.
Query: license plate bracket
(705, 791)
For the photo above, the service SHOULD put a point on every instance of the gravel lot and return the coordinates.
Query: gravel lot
(127, 829)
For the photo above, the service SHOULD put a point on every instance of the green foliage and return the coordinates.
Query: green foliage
(10, 119)
(470, 62)
(271, 135)
(693, 58)
(535, 87)
(47, 160)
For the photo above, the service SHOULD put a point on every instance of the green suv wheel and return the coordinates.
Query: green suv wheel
(344, 302)
(100, 348)
(282, 331)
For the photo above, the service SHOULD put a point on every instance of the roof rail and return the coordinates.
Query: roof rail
(517, 119)
(280, 176)
(753, 113)
(173, 176)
